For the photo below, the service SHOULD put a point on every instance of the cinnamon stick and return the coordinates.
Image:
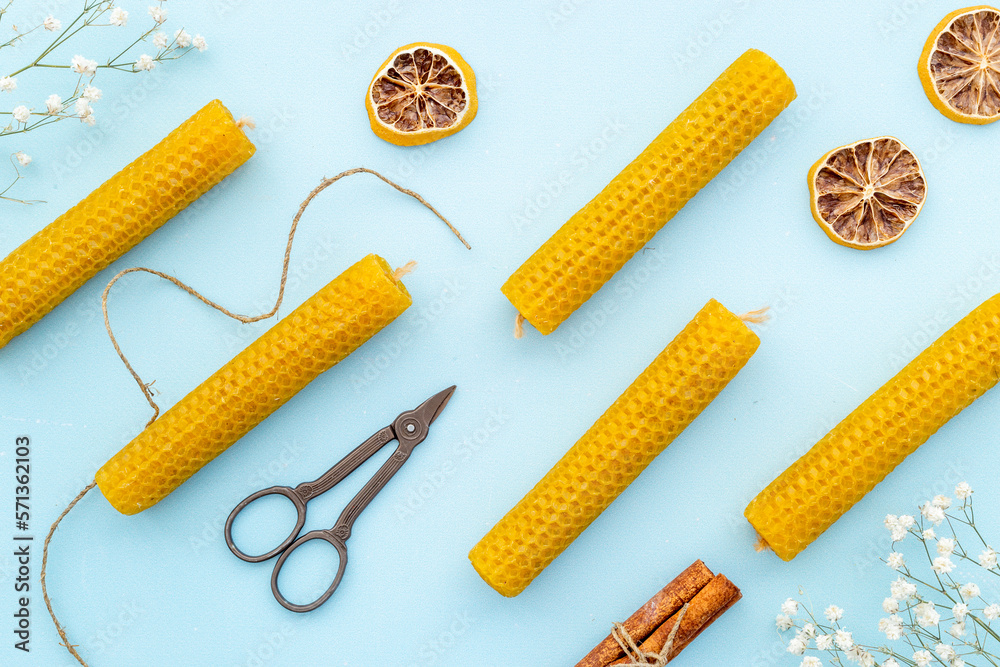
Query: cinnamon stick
(711, 602)
(653, 614)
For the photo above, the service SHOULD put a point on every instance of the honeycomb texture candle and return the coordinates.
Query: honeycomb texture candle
(860, 451)
(314, 337)
(597, 241)
(657, 406)
(130, 206)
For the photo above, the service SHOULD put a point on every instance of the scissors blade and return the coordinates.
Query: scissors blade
(429, 410)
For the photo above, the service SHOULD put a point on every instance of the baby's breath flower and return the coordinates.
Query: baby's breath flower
(906, 521)
(21, 114)
(988, 558)
(90, 119)
(957, 630)
(82, 107)
(182, 38)
(946, 546)
(928, 534)
(51, 23)
(890, 605)
(83, 65)
(970, 590)
(790, 607)
(160, 40)
(942, 565)
(8, 84)
(963, 491)
(797, 646)
(992, 612)
(957, 662)
(891, 662)
(144, 64)
(896, 527)
(23, 158)
(119, 17)
(199, 43)
(811, 661)
(932, 513)
(159, 14)
(53, 104)
(902, 589)
(808, 631)
(833, 614)
(824, 642)
(927, 616)
(92, 94)
(895, 560)
(860, 656)
(892, 627)
(843, 640)
(944, 502)
(922, 658)
(783, 622)
(945, 651)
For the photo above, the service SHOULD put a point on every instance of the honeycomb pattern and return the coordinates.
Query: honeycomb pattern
(869, 443)
(663, 400)
(311, 339)
(130, 206)
(597, 241)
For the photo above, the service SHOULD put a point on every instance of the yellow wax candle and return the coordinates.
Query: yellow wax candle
(597, 241)
(130, 206)
(869, 443)
(311, 339)
(657, 406)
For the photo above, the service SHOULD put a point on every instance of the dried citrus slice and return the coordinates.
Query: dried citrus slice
(960, 65)
(866, 194)
(421, 93)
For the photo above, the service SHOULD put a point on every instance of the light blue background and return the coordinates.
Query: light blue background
(578, 87)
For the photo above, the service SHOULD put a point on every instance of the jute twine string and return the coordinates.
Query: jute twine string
(246, 319)
(637, 656)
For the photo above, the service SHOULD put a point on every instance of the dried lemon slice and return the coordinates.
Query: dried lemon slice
(866, 194)
(421, 93)
(960, 65)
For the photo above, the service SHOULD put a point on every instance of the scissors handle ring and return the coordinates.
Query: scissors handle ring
(300, 508)
(326, 536)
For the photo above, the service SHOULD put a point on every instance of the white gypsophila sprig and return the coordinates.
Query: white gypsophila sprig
(83, 68)
(935, 617)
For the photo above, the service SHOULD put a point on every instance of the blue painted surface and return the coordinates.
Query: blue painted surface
(569, 93)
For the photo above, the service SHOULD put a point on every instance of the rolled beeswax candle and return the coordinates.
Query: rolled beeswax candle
(869, 443)
(597, 241)
(657, 406)
(311, 339)
(130, 206)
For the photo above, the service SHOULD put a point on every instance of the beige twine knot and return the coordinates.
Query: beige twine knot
(636, 655)
(246, 122)
(758, 316)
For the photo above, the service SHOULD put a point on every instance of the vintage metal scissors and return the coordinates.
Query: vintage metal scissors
(409, 428)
